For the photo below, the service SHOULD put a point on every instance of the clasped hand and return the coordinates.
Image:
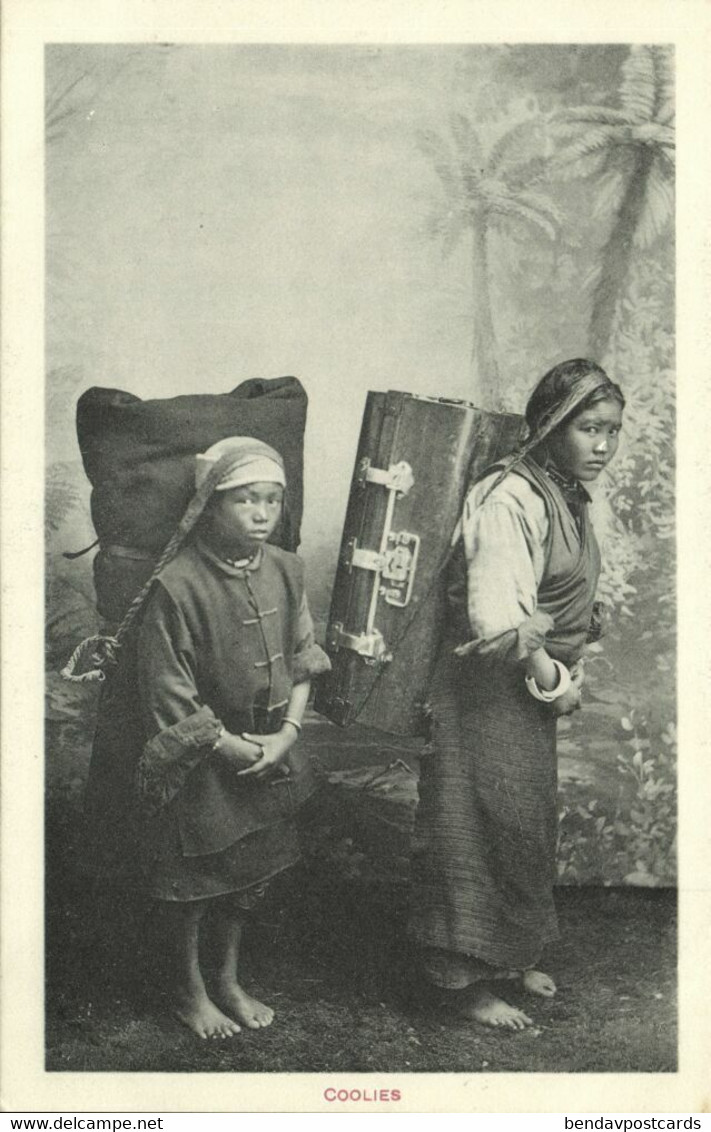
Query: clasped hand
(259, 756)
(571, 700)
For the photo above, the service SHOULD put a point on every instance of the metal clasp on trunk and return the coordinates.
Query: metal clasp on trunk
(398, 570)
(371, 646)
(361, 558)
(397, 478)
(393, 564)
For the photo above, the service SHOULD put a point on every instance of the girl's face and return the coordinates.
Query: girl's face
(584, 446)
(242, 518)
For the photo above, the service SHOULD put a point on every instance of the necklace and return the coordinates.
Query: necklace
(570, 487)
(572, 491)
(235, 563)
(239, 563)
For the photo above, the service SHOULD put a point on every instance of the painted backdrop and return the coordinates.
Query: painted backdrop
(444, 220)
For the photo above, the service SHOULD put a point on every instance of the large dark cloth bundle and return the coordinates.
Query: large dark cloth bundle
(139, 456)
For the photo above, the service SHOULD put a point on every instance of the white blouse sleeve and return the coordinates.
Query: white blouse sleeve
(504, 542)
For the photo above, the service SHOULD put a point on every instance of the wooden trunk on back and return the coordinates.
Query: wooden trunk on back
(416, 455)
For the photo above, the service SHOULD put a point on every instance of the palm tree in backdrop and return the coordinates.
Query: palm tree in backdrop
(485, 193)
(630, 150)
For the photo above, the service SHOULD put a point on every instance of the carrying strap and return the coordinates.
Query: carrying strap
(134, 553)
(72, 554)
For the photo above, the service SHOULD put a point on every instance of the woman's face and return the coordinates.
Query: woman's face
(584, 446)
(242, 518)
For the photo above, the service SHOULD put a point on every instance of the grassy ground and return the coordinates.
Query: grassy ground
(330, 954)
(333, 961)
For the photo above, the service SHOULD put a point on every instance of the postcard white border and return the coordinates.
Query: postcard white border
(27, 26)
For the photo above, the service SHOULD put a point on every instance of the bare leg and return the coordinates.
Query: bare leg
(191, 1003)
(480, 1005)
(232, 997)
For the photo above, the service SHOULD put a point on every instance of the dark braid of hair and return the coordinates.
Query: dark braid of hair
(190, 517)
(104, 649)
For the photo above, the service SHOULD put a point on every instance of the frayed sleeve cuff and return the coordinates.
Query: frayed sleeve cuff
(514, 645)
(311, 661)
(170, 756)
(531, 634)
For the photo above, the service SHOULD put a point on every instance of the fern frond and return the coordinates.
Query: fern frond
(452, 234)
(582, 168)
(664, 68)
(653, 134)
(433, 147)
(638, 89)
(542, 204)
(593, 116)
(609, 194)
(666, 113)
(447, 228)
(592, 141)
(62, 496)
(509, 209)
(667, 156)
(657, 209)
(468, 142)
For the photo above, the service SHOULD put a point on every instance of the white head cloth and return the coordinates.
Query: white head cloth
(254, 462)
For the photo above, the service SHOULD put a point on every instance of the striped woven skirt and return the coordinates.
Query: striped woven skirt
(484, 848)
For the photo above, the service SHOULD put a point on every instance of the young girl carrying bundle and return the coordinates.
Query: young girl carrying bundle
(209, 695)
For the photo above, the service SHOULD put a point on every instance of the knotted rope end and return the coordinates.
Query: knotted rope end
(89, 660)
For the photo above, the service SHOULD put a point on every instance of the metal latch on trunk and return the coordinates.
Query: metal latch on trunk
(395, 567)
(397, 478)
(393, 564)
(371, 646)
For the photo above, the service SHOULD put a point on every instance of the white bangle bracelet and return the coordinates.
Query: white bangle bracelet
(294, 723)
(564, 681)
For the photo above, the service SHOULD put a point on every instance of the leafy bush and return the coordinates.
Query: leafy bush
(634, 843)
(639, 485)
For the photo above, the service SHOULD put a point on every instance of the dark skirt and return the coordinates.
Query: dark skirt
(169, 875)
(124, 847)
(484, 850)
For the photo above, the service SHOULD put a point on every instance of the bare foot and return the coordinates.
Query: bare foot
(252, 1013)
(481, 1006)
(538, 983)
(200, 1015)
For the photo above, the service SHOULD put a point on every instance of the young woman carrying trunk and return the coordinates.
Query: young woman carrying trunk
(521, 608)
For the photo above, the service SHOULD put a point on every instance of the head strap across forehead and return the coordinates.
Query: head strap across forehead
(247, 460)
(557, 413)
